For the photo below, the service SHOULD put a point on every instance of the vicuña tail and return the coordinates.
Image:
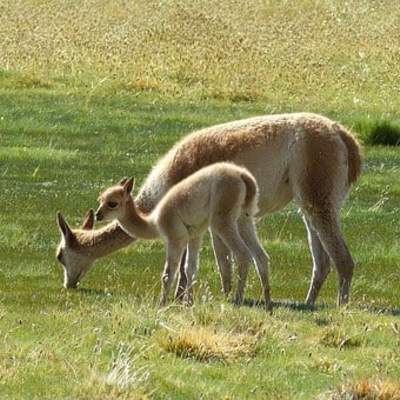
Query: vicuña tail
(354, 153)
(251, 199)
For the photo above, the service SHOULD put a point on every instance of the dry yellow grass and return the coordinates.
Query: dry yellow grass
(338, 338)
(204, 344)
(123, 380)
(288, 51)
(366, 389)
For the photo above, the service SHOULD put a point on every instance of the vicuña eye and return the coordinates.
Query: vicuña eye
(112, 204)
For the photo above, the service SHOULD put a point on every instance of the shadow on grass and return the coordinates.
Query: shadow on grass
(289, 304)
(95, 292)
(373, 309)
(299, 306)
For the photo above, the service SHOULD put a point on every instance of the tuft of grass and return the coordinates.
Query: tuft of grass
(124, 378)
(366, 389)
(206, 345)
(384, 133)
(336, 337)
(377, 130)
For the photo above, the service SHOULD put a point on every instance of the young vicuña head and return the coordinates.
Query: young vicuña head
(113, 200)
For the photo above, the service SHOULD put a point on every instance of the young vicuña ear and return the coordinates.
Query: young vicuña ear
(123, 181)
(64, 228)
(88, 223)
(128, 186)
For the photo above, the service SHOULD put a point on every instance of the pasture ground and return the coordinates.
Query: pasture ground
(107, 338)
(88, 95)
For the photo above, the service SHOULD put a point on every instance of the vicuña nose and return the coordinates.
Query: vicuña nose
(99, 216)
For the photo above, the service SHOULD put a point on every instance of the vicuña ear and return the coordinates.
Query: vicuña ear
(128, 186)
(123, 181)
(88, 223)
(65, 229)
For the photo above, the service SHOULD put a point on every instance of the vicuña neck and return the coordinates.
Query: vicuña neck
(102, 242)
(137, 224)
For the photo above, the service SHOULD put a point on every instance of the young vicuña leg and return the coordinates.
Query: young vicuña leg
(182, 281)
(230, 235)
(224, 261)
(175, 250)
(193, 250)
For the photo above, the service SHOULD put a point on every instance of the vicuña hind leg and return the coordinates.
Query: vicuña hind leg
(328, 228)
(321, 263)
(318, 176)
(248, 233)
(229, 233)
(223, 257)
(182, 281)
(191, 266)
(175, 250)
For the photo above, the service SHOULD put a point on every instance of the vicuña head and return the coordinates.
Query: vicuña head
(69, 253)
(113, 201)
(116, 202)
(80, 248)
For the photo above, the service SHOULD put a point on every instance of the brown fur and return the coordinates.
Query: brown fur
(95, 241)
(354, 154)
(322, 155)
(216, 144)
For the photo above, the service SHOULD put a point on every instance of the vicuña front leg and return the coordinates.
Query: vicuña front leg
(175, 250)
(248, 232)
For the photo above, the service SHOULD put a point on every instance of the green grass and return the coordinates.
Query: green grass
(384, 133)
(93, 91)
(58, 151)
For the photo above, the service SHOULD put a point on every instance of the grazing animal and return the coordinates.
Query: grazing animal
(221, 196)
(79, 248)
(300, 156)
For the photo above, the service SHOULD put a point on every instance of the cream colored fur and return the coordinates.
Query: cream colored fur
(222, 196)
(303, 156)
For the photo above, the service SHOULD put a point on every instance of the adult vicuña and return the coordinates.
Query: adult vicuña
(221, 196)
(301, 155)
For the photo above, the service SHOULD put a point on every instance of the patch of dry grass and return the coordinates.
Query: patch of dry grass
(289, 52)
(205, 345)
(123, 380)
(366, 389)
(338, 338)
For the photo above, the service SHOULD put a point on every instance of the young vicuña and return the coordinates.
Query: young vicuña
(221, 196)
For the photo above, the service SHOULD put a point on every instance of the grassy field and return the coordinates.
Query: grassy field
(90, 93)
